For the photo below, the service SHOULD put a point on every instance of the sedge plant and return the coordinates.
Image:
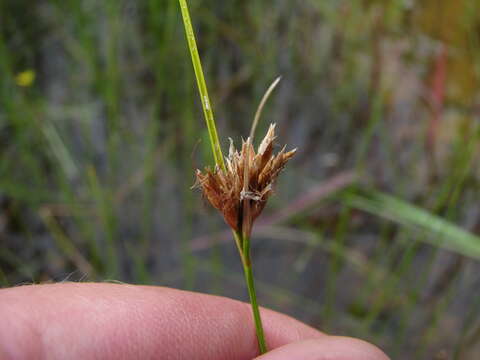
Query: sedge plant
(239, 185)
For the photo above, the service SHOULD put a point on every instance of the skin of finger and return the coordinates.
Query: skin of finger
(326, 348)
(115, 321)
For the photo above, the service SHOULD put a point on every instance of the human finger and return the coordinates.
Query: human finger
(115, 321)
(326, 348)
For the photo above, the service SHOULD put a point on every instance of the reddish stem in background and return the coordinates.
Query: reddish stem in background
(437, 99)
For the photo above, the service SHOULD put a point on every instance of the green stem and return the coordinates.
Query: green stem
(202, 86)
(247, 268)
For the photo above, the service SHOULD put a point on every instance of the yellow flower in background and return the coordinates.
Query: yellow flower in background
(25, 78)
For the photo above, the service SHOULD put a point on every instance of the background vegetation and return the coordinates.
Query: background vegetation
(372, 230)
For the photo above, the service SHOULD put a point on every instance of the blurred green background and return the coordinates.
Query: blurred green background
(372, 231)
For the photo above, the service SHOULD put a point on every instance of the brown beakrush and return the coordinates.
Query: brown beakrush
(248, 176)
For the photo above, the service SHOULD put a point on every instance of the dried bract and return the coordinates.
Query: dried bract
(226, 190)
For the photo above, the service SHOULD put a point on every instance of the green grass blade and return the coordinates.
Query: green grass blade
(258, 113)
(446, 234)
(202, 86)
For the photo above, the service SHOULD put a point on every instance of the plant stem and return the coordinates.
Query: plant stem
(247, 268)
(261, 106)
(242, 240)
(202, 86)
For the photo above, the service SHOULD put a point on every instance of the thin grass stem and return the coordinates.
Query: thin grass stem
(247, 268)
(242, 239)
(202, 86)
(258, 113)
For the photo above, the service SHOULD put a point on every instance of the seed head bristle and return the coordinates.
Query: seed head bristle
(225, 189)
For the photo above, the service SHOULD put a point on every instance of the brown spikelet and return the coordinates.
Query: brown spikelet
(226, 190)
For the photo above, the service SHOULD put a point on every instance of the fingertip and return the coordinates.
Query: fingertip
(326, 348)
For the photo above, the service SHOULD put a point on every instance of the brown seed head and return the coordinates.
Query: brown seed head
(226, 190)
